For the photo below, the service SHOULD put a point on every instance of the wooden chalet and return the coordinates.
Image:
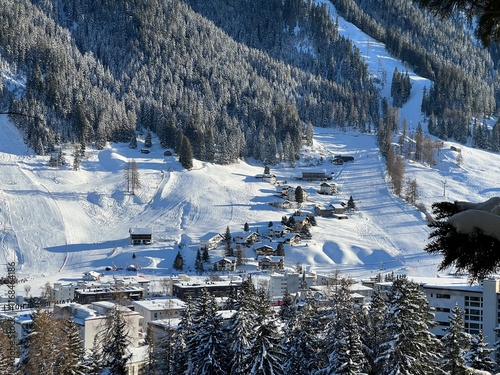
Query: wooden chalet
(270, 262)
(291, 239)
(261, 249)
(279, 230)
(211, 240)
(326, 188)
(245, 238)
(225, 264)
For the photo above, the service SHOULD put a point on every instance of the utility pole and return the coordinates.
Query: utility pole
(444, 188)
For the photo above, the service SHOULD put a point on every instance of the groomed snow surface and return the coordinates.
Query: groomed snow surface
(58, 223)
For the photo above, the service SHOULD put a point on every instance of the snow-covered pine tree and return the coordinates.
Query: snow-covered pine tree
(266, 351)
(410, 348)
(93, 361)
(342, 347)
(241, 330)
(288, 309)
(455, 344)
(148, 140)
(301, 338)
(184, 330)
(198, 264)
(206, 348)
(115, 342)
(373, 329)
(70, 359)
(479, 355)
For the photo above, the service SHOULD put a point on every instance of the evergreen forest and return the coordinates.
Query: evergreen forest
(234, 79)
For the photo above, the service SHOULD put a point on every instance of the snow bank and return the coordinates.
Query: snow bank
(488, 206)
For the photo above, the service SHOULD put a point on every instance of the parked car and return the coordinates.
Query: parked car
(144, 151)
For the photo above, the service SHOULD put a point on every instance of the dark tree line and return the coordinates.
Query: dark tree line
(96, 71)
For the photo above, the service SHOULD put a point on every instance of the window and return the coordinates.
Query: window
(445, 296)
(443, 309)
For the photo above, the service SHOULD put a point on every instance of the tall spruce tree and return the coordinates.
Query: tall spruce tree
(409, 347)
(301, 340)
(206, 348)
(479, 355)
(374, 331)
(115, 342)
(242, 330)
(266, 351)
(456, 344)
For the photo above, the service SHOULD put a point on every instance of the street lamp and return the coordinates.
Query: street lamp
(444, 188)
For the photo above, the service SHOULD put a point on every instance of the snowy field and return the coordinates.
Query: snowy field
(56, 224)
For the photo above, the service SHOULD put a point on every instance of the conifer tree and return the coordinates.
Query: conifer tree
(198, 265)
(374, 333)
(242, 330)
(205, 255)
(182, 334)
(206, 348)
(133, 141)
(299, 195)
(266, 351)
(342, 347)
(301, 340)
(178, 262)
(41, 346)
(350, 204)
(148, 140)
(309, 134)
(186, 153)
(70, 359)
(115, 342)
(455, 344)
(479, 355)
(229, 252)
(6, 351)
(409, 347)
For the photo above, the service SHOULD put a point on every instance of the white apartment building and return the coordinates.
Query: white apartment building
(158, 309)
(91, 320)
(480, 302)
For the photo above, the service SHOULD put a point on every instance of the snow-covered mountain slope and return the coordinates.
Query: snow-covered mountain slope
(58, 223)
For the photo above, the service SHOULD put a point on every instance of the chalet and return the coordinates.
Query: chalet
(326, 188)
(141, 235)
(224, 264)
(211, 240)
(300, 220)
(278, 230)
(286, 204)
(245, 238)
(269, 178)
(324, 211)
(270, 262)
(91, 276)
(282, 190)
(291, 239)
(338, 208)
(261, 249)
